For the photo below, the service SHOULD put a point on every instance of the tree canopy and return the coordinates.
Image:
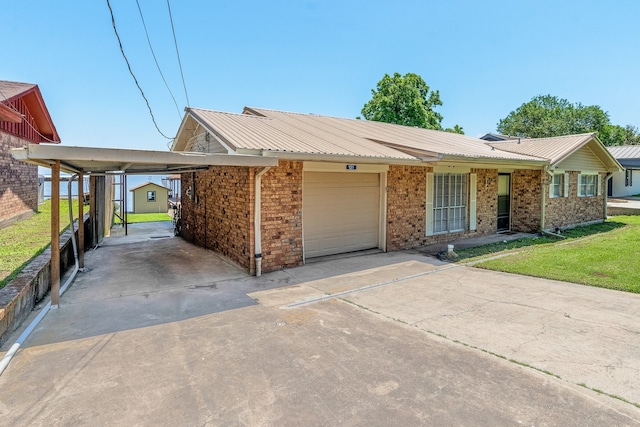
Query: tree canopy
(405, 100)
(547, 115)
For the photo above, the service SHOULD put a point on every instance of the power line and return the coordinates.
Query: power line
(175, 41)
(156, 60)
(113, 23)
(10, 105)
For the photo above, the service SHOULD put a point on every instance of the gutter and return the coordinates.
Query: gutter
(257, 220)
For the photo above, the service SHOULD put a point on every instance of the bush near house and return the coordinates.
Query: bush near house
(24, 240)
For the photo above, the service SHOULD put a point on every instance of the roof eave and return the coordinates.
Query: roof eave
(340, 158)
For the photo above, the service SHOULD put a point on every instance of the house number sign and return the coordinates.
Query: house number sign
(351, 167)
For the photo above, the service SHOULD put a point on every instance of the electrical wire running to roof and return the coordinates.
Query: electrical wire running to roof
(10, 105)
(144, 25)
(115, 30)
(175, 41)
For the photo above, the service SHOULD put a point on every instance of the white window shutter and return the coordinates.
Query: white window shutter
(566, 185)
(579, 183)
(599, 184)
(429, 209)
(551, 188)
(473, 185)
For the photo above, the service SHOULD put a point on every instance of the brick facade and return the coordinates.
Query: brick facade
(563, 212)
(219, 213)
(282, 216)
(526, 200)
(406, 204)
(18, 180)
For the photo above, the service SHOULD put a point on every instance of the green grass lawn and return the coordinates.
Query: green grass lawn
(607, 259)
(145, 217)
(24, 240)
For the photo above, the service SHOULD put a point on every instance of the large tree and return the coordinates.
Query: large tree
(547, 115)
(405, 100)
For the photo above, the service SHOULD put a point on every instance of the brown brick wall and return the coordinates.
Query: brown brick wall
(406, 204)
(562, 212)
(282, 216)
(219, 216)
(486, 200)
(526, 200)
(18, 180)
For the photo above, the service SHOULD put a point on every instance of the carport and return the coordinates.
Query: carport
(101, 162)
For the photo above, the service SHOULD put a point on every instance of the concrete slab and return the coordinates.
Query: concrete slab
(583, 334)
(159, 332)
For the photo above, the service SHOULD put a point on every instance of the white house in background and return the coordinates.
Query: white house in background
(626, 183)
(150, 198)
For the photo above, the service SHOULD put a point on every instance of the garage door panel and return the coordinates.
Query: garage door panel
(340, 212)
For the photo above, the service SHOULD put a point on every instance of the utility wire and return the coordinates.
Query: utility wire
(113, 23)
(156, 60)
(178, 53)
(10, 105)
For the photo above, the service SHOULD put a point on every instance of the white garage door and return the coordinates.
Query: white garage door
(341, 212)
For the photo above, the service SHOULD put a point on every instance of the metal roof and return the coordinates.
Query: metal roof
(285, 134)
(112, 160)
(29, 94)
(11, 90)
(625, 151)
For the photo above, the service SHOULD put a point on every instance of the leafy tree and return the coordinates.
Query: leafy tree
(405, 100)
(618, 135)
(455, 129)
(547, 115)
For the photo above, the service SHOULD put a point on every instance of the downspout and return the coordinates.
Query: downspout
(605, 190)
(543, 213)
(25, 334)
(257, 220)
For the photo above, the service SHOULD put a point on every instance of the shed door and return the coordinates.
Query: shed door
(341, 212)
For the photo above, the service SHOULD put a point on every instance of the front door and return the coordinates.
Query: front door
(504, 202)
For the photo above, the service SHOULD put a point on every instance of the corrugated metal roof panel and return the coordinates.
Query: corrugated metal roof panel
(262, 129)
(625, 151)
(553, 149)
(9, 90)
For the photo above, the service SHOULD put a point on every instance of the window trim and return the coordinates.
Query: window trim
(559, 185)
(583, 186)
(466, 209)
(628, 177)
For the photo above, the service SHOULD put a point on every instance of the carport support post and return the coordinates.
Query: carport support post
(81, 219)
(55, 234)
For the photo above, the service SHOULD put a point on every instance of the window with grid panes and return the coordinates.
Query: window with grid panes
(449, 202)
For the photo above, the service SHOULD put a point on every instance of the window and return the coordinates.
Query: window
(556, 187)
(587, 185)
(449, 202)
(151, 196)
(628, 178)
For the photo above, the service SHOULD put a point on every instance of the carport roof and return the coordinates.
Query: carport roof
(93, 160)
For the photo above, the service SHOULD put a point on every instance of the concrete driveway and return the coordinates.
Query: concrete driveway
(159, 332)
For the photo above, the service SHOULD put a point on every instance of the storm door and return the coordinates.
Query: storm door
(504, 202)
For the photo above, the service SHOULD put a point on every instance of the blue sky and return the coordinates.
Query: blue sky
(485, 57)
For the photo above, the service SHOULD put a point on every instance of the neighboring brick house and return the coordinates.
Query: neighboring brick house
(345, 185)
(24, 119)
